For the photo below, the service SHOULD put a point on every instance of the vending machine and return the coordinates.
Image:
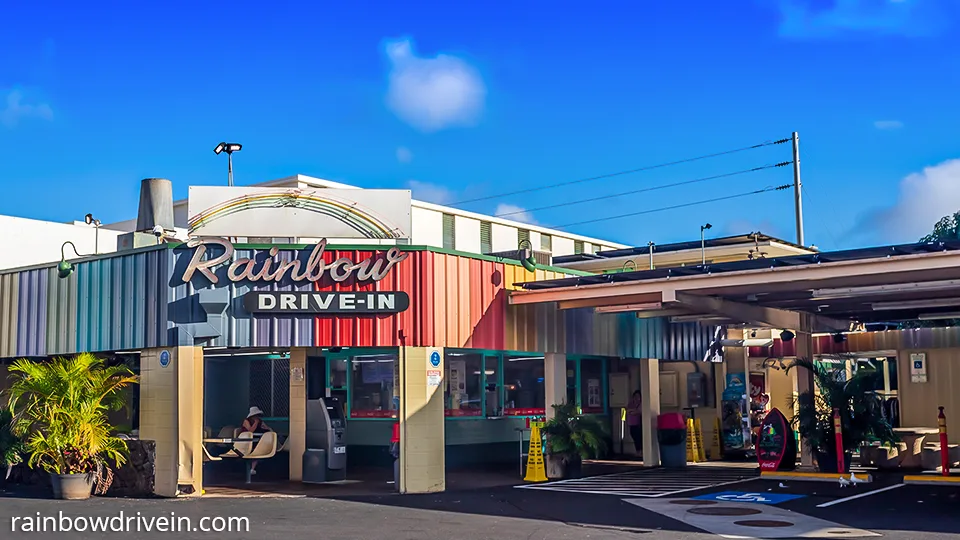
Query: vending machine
(735, 417)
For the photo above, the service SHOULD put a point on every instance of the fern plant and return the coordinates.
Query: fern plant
(573, 435)
(60, 409)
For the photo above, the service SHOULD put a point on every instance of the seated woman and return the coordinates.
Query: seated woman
(254, 423)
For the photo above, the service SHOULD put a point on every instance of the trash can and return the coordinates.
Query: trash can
(672, 439)
(395, 453)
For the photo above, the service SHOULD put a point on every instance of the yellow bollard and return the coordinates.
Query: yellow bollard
(536, 471)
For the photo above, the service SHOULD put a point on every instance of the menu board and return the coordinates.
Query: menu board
(776, 446)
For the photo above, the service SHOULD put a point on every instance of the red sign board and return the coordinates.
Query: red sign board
(776, 447)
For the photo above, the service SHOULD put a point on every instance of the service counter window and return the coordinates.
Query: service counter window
(372, 386)
(523, 388)
(465, 377)
(591, 379)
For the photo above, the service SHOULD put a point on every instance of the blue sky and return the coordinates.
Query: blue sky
(461, 102)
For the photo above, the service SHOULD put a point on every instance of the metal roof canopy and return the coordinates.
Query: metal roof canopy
(829, 290)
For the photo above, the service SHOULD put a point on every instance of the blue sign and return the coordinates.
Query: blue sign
(744, 497)
(435, 359)
(164, 358)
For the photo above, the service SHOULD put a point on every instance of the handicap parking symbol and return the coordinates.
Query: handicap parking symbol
(746, 497)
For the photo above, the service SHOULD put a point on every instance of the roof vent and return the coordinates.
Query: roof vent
(156, 205)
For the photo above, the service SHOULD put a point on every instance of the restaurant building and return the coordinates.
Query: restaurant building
(419, 334)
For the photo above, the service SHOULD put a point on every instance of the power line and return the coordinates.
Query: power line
(644, 190)
(621, 173)
(674, 207)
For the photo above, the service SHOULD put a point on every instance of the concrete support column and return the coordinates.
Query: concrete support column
(171, 415)
(554, 381)
(804, 383)
(422, 444)
(650, 391)
(297, 438)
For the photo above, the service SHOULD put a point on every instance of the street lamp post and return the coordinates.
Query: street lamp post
(703, 244)
(229, 148)
(90, 220)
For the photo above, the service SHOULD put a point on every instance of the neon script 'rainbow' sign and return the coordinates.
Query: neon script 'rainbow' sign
(315, 268)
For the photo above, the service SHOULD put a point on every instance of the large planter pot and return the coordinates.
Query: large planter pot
(561, 467)
(72, 487)
(827, 462)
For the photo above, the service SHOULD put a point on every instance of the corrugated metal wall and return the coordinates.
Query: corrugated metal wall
(107, 304)
(133, 300)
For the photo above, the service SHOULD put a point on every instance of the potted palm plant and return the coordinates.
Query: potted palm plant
(60, 409)
(571, 438)
(860, 407)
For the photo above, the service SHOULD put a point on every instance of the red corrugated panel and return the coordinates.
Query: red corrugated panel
(374, 331)
(454, 302)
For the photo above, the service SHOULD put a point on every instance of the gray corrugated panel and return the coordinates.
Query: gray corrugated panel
(9, 298)
(61, 313)
(32, 313)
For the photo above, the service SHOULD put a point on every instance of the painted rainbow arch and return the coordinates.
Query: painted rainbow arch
(352, 214)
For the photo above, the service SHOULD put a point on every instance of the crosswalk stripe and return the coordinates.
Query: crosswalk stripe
(650, 482)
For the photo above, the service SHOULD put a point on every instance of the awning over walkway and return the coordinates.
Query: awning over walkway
(821, 292)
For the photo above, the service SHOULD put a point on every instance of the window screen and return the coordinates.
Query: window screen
(449, 231)
(486, 237)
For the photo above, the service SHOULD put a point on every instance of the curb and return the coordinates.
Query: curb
(931, 479)
(812, 476)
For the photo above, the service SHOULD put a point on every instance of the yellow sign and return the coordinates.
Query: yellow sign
(536, 471)
(538, 425)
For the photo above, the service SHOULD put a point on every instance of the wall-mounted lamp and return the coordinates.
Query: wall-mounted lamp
(65, 268)
(527, 260)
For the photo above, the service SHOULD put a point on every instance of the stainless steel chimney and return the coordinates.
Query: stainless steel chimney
(156, 205)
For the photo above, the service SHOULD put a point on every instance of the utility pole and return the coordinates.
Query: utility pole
(797, 196)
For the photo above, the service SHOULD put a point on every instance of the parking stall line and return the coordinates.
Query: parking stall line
(860, 495)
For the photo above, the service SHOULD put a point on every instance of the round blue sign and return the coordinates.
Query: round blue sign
(435, 359)
(164, 358)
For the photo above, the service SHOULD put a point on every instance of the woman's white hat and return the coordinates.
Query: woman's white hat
(254, 411)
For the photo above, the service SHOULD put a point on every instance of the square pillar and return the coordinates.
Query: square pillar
(422, 442)
(171, 415)
(650, 391)
(297, 438)
(554, 381)
(804, 383)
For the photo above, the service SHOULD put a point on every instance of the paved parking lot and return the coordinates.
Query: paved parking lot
(907, 513)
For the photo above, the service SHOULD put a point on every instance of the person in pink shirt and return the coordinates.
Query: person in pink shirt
(635, 421)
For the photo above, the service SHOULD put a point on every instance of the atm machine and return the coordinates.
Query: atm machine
(325, 459)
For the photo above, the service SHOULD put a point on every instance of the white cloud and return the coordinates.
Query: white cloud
(811, 19)
(16, 110)
(425, 191)
(888, 125)
(924, 198)
(514, 212)
(404, 155)
(432, 94)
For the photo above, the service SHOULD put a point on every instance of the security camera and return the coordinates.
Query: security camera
(158, 231)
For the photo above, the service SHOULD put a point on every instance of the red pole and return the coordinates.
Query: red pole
(944, 446)
(838, 432)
